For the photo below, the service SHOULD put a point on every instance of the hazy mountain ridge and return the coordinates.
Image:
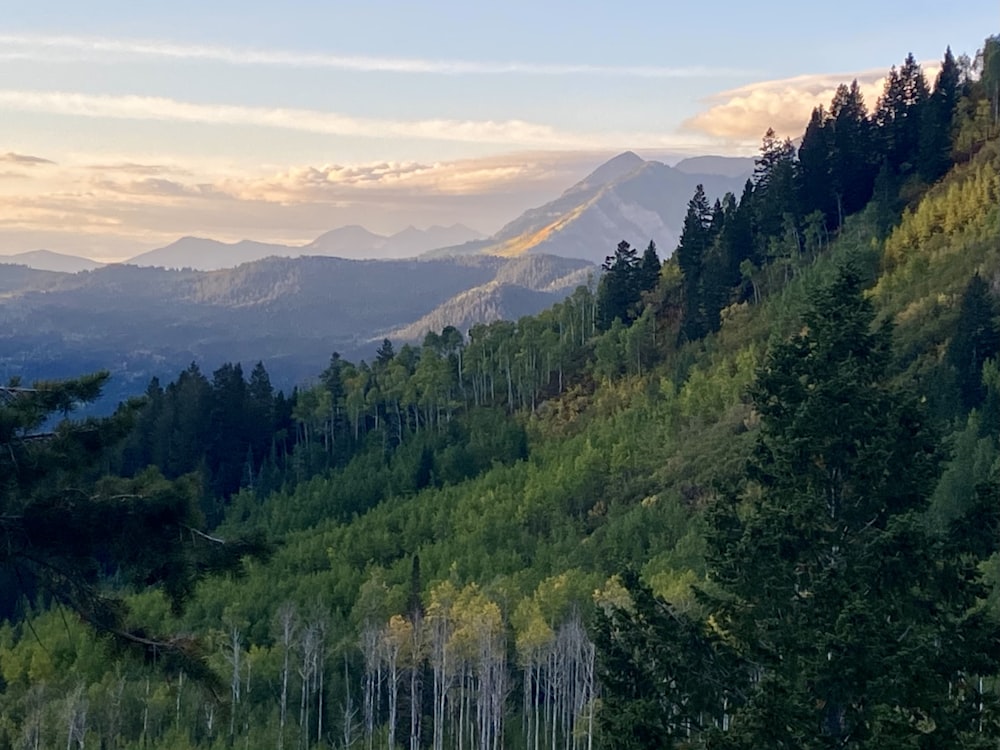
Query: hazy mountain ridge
(626, 198)
(290, 312)
(523, 286)
(47, 260)
(351, 242)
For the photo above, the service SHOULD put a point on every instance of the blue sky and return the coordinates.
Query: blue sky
(129, 124)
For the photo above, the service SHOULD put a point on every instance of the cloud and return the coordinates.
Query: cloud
(508, 133)
(312, 121)
(150, 187)
(23, 159)
(381, 181)
(747, 112)
(107, 211)
(73, 48)
(150, 170)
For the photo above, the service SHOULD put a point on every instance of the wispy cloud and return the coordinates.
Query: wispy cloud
(126, 167)
(508, 133)
(69, 48)
(24, 159)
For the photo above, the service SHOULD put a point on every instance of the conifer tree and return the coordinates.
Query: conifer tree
(859, 624)
(695, 241)
(976, 340)
(619, 291)
(935, 131)
(649, 268)
(66, 528)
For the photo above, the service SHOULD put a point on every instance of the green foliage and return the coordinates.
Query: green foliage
(67, 527)
(859, 622)
(529, 462)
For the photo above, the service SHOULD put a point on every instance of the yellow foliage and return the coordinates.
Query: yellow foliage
(963, 202)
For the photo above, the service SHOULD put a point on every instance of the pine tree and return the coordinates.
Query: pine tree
(976, 340)
(935, 131)
(859, 624)
(695, 241)
(659, 673)
(619, 290)
(66, 528)
(853, 170)
(815, 167)
(649, 268)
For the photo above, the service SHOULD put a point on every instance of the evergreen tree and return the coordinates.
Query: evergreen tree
(648, 272)
(384, 354)
(775, 196)
(858, 623)
(853, 170)
(815, 167)
(899, 115)
(976, 340)
(619, 290)
(67, 527)
(695, 241)
(935, 133)
(659, 673)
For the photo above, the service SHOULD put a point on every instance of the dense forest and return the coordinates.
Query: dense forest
(746, 497)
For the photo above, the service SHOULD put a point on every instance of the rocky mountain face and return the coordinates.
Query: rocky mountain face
(626, 198)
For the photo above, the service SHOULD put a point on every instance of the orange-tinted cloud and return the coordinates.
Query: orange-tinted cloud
(745, 113)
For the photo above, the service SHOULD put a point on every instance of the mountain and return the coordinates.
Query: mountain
(412, 241)
(202, 254)
(46, 260)
(524, 286)
(626, 198)
(353, 242)
(356, 242)
(290, 313)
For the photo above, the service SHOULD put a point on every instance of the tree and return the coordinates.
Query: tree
(899, 113)
(935, 130)
(66, 528)
(695, 241)
(815, 166)
(659, 671)
(648, 271)
(775, 196)
(858, 622)
(976, 340)
(619, 291)
(852, 167)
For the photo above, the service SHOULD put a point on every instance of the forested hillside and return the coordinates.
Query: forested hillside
(744, 498)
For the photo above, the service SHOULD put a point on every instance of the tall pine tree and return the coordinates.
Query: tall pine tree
(859, 624)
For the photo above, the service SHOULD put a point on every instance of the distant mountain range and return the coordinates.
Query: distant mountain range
(211, 302)
(292, 313)
(351, 242)
(626, 198)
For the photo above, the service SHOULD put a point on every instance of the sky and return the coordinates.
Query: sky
(126, 125)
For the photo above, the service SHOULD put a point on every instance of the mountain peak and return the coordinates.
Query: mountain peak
(609, 171)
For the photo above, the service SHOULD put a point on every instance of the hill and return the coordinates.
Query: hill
(290, 312)
(46, 260)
